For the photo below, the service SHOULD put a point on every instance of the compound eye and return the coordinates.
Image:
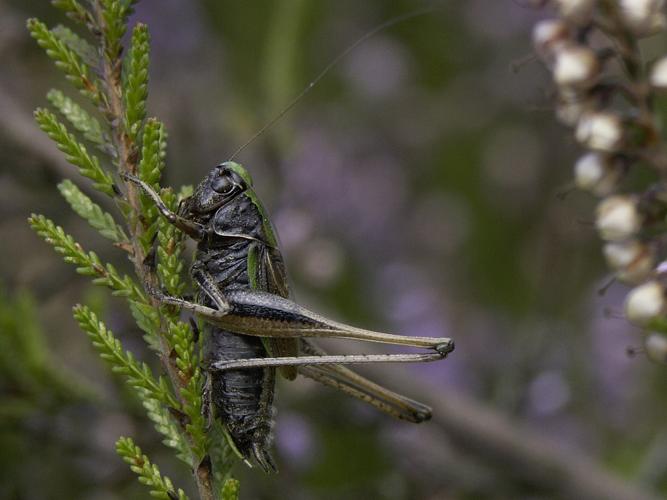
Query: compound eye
(222, 184)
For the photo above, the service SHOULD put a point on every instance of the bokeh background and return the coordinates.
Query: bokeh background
(422, 187)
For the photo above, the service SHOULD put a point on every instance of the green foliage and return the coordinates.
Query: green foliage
(149, 474)
(184, 356)
(222, 456)
(181, 339)
(91, 212)
(153, 152)
(82, 122)
(170, 250)
(196, 426)
(139, 375)
(230, 490)
(149, 320)
(75, 152)
(73, 9)
(37, 388)
(186, 360)
(76, 71)
(80, 46)
(150, 170)
(30, 379)
(88, 263)
(134, 145)
(166, 425)
(136, 80)
(154, 392)
(114, 17)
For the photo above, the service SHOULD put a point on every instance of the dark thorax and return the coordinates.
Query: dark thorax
(234, 231)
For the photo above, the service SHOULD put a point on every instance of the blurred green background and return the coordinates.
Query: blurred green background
(422, 187)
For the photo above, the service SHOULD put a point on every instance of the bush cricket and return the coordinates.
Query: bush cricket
(252, 327)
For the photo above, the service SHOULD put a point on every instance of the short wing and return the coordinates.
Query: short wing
(272, 277)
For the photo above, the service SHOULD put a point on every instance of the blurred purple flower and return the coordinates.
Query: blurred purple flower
(294, 439)
(614, 371)
(548, 393)
(378, 68)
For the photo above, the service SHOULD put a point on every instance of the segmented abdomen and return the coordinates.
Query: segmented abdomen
(240, 397)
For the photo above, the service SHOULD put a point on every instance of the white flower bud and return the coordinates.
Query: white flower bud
(577, 11)
(632, 260)
(617, 218)
(548, 35)
(569, 111)
(600, 130)
(596, 173)
(575, 66)
(659, 74)
(645, 303)
(655, 345)
(643, 17)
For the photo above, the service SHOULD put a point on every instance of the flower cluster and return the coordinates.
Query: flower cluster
(607, 94)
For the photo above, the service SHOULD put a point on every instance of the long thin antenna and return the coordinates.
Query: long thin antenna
(387, 24)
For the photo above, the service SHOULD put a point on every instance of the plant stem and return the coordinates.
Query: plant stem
(126, 158)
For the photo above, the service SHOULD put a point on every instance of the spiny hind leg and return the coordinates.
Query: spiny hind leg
(261, 314)
(327, 369)
(342, 377)
(415, 412)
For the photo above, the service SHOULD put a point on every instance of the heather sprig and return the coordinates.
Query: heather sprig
(92, 213)
(115, 123)
(76, 71)
(75, 152)
(149, 474)
(80, 119)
